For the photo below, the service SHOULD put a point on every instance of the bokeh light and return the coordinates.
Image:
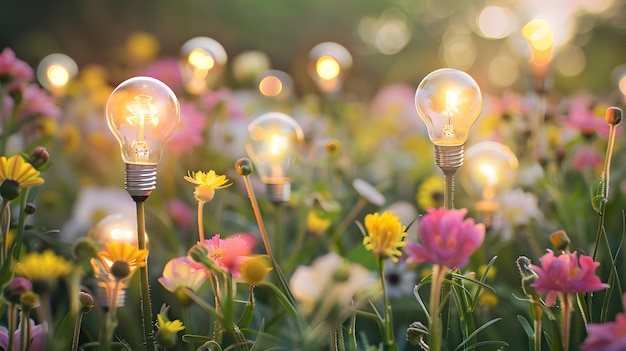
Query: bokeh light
(503, 71)
(495, 22)
(570, 61)
(274, 83)
(55, 71)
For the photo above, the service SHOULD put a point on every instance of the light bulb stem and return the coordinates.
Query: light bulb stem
(449, 158)
(140, 180)
(279, 192)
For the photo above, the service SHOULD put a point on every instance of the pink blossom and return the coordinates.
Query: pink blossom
(37, 101)
(566, 273)
(180, 214)
(189, 131)
(609, 336)
(181, 272)
(229, 253)
(587, 156)
(38, 337)
(447, 239)
(580, 116)
(13, 68)
(166, 70)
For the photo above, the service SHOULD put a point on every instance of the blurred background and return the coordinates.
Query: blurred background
(390, 40)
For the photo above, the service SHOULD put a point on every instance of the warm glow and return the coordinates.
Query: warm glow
(58, 75)
(571, 61)
(452, 102)
(503, 71)
(201, 60)
(622, 85)
(278, 145)
(489, 173)
(270, 86)
(539, 36)
(327, 67)
(494, 22)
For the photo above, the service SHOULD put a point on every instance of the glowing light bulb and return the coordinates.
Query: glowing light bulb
(329, 64)
(55, 71)
(541, 41)
(202, 62)
(272, 145)
(448, 101)
(276, 84)
(490, 168)
(142, 113)
(114, 228)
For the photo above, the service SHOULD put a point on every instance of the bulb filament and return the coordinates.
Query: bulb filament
(142, 112)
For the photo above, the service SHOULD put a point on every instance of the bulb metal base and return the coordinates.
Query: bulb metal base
(279, 192)
(449, 158)
(140, 180)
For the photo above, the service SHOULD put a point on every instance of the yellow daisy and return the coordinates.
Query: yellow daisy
(430, 192)
(16, 169)
(206, 183)
(385, 235)
(43, 267)
(122, 259)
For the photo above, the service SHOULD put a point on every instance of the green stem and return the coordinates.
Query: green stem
(566, 301)
(434, 328)
(345, 222)
(25, 331)
(144, 292)
(6, 224)
(76, 335)
(390, 339)
(11, 323)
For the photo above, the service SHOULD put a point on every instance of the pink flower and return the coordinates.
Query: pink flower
(580, 115)
(446, 238)
(231, 252)
(38, 337)
(566, 273)
(609, 336)
(181, 272)
(37, 101)
(12, 68)
(189, 131)
(587, 156)
(180, 214)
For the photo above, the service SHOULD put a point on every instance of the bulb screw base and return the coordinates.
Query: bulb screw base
(279, 192)
(449, 158)
(140, 180)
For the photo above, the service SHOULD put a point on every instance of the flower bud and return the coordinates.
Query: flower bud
(86, 301)
(415, 333)
(198, 252)
(342, 272)
(29, 300)
(30, 208)
(560, 241)
(613, 115)
(39, 157)
(333, 147)
(17, 287)
(244, 166)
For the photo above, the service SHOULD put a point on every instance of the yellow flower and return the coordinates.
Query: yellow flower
(385, 235)
(488, 299)
(122, 259)
(16, 169)
(170, 326)
(206, 183)
(430, 192)
(44, 267)
(254, 269)
(317, 224)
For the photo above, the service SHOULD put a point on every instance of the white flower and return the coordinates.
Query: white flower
(329, 280)
(517, 208)
(399, 279)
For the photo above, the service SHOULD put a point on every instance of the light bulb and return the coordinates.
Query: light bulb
(272, 144)
(114, 228)
(202, 62)
(275, 84)
(448, 101)
(329, 63)
(142, 113)
(490, 168)
(55, 71)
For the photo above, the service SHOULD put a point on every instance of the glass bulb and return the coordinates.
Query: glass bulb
(55, 71)
(490, 169)
(142, 113)
(202, 62)
(275, 84)
(329, 62)
(449, 101)
(272, 145)
(114, 228)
